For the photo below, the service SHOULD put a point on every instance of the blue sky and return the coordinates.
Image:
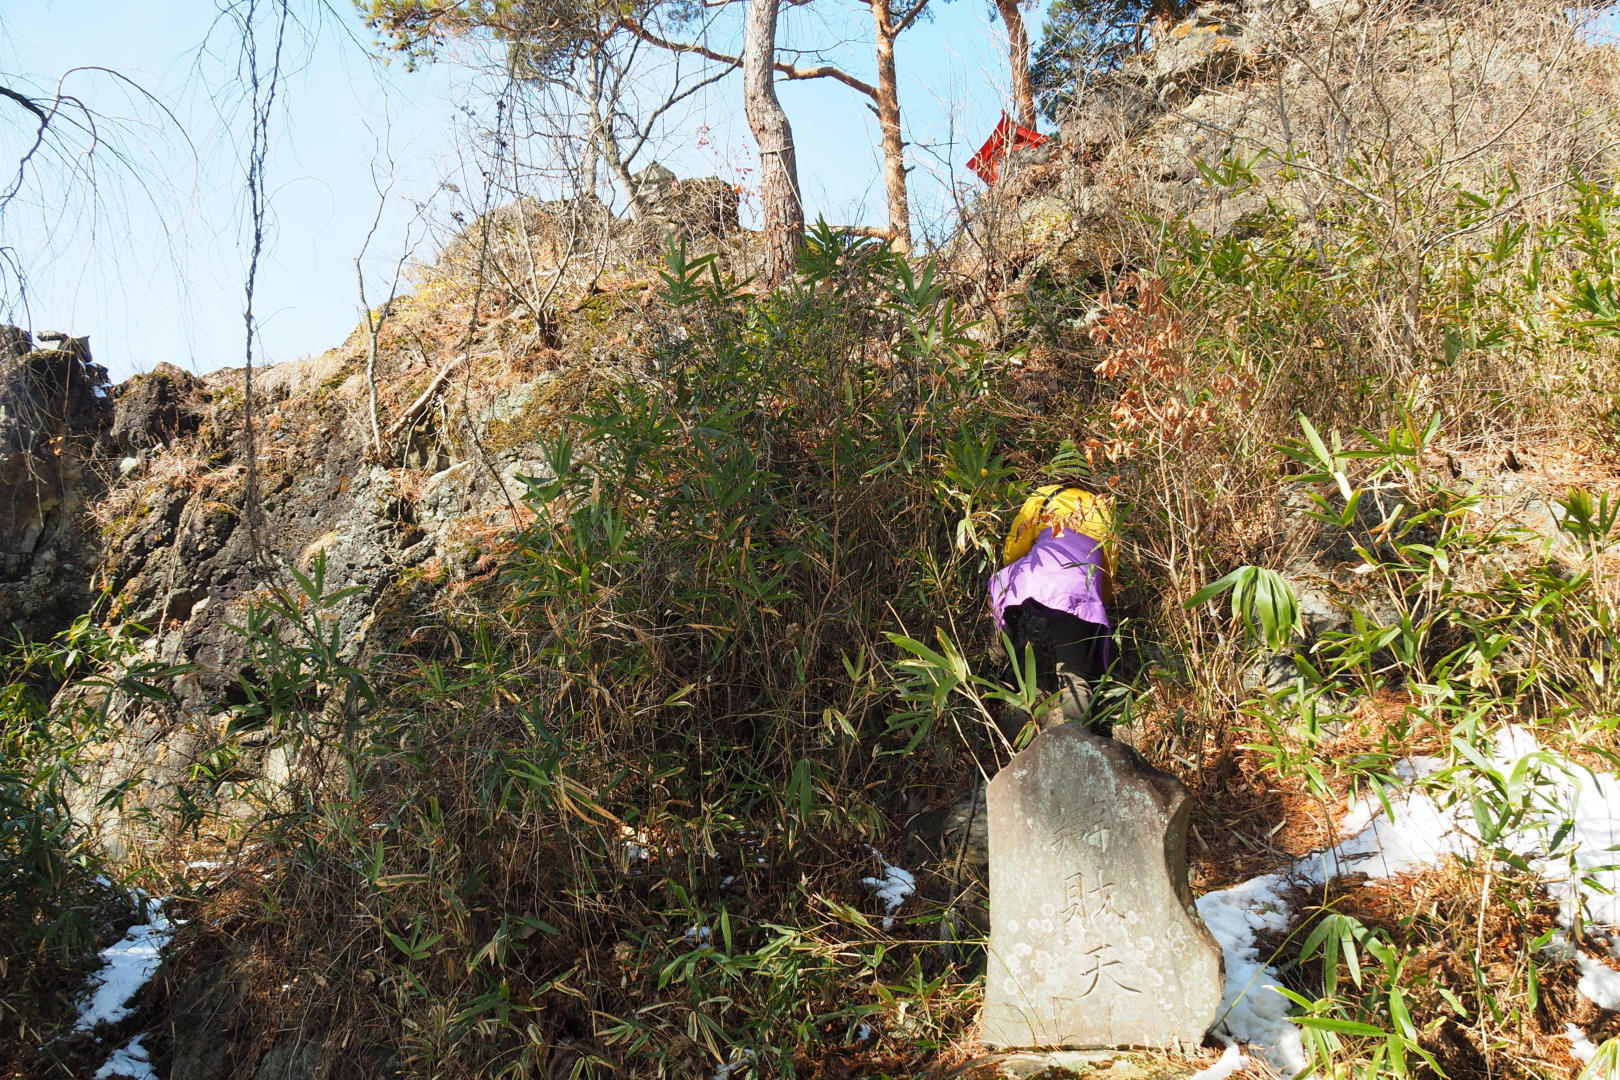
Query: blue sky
(151, 265)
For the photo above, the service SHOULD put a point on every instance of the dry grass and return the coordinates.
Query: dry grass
(1481, 952)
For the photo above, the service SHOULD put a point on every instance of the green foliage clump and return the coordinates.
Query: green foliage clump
(612, 810)
(1082, 39)
(1480, 662)
(1290, 397)
(55, 902)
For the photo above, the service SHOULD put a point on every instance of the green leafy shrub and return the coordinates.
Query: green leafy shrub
(613, 808)
(55, 902)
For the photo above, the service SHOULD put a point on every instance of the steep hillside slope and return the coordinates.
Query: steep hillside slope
(528, 688)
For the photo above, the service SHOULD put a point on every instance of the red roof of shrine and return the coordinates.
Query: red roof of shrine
(1007, 137)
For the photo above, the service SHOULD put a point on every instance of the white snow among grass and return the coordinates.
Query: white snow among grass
(1252, 1010)
(1416, 833)
(892, 888)
(1593, 803)
(1232, 1061)
(634, 847)
(1599, 983)
(128, 1062)
(126, 967)
(1581, 1048)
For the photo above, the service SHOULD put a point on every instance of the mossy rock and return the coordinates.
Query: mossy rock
(524, 415)
(598, 320)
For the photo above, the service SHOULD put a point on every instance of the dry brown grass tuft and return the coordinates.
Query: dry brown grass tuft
(1472, 937)
(179, 466)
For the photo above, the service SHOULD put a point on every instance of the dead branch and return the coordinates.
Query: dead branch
(824, 71)
(427, 396)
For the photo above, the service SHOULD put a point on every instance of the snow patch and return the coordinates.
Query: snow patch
(1583, 877)
(1599, 983)
(634, 847)
(1591, 801)
(1417, 833)
(1581, 1048)
(127, 966)
(1412, 833)
(1253, 1010)
(892, 888)
(130, 1062)
(1231, 1061)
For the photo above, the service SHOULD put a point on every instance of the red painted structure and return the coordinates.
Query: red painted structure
(1007, 137)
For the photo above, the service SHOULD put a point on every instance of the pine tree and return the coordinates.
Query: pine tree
(1082, 39)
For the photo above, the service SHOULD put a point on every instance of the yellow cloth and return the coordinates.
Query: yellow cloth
(1058, 508)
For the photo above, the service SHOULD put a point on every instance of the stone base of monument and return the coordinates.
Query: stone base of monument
(1070, 1064)
(1094, 941)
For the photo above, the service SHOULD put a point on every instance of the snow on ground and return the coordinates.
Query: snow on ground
(1599, 983)
(126, 968)
(1417, 832)
(1231, 1061)
(1581, 1048)
(1252, 1010)
(1593, 802)
(129, 1062)
(892, 888)
(634, 847)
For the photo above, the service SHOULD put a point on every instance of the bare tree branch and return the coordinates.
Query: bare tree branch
(652, 118)
(789, 71)
(909, 17)
(28, 103)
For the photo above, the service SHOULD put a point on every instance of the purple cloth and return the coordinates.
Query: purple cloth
(1064, 573)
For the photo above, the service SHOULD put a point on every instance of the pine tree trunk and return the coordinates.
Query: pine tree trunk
(1012, 16)
(894, 147)
(780, 201)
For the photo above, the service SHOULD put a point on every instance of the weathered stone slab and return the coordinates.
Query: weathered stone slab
(1094, 940)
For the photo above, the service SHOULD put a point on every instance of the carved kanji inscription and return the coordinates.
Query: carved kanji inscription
(1093, 940)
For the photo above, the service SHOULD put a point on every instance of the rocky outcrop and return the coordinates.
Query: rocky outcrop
(1213, 45)
(64, 430)
(1250, 111)
(153, 409)
(181, 559)
(577, 240)
(54, 407)
(704, 206)
(14, 342)
(188, 544)
(143, 492)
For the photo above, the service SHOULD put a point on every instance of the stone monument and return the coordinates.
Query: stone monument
(1094, 941)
